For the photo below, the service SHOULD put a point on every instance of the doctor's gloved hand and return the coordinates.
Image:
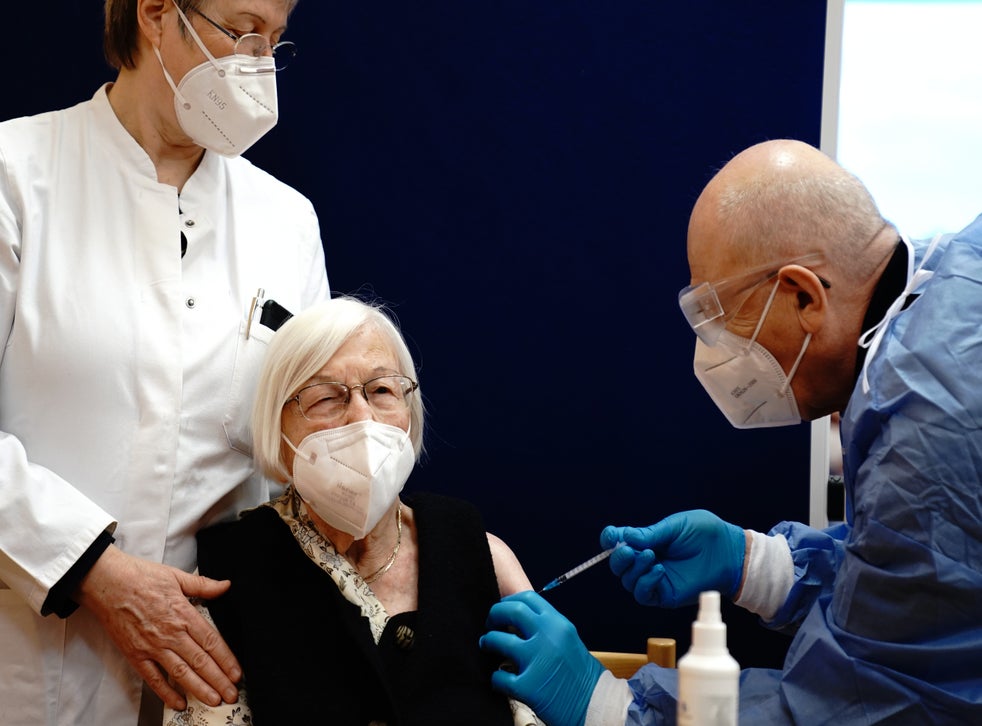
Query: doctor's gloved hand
(669, 563)
(553, 672)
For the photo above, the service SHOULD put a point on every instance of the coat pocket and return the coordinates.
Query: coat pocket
(249, 355)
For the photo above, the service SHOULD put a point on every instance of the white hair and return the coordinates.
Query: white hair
(298, 350)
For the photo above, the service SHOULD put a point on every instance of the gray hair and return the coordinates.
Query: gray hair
(298, 350)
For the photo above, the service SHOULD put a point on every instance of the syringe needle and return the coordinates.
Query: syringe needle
(577, 570)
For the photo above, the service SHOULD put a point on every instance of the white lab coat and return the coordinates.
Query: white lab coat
(125, 379)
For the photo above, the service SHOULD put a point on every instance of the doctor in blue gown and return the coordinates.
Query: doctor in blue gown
(806, 302)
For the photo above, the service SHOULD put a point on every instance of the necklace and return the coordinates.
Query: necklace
(392, 558)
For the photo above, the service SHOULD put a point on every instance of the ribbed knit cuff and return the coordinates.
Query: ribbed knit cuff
(770, 575)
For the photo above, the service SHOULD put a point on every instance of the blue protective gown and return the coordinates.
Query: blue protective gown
(887, 608)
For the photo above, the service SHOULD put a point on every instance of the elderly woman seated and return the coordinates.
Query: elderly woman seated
(349, 604)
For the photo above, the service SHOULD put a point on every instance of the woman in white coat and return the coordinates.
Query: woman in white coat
(135, 257)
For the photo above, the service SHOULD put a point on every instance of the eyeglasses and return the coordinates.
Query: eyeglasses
(702, 307)
(324, 402)
(256, 46)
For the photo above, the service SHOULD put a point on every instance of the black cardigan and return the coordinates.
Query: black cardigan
(307, 653)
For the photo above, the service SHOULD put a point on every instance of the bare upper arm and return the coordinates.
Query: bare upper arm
(511, 575)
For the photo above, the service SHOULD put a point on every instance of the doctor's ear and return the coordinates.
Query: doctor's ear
(810, 295)
(150, 16)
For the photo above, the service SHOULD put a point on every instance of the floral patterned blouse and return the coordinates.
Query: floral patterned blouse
(293, 511)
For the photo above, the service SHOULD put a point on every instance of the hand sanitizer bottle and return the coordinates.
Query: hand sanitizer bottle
(709, 677)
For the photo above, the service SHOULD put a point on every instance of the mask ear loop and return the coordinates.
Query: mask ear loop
(296, 451)
(170, 81)
(197, 40)
(804, 346)
(760, 323)
(794, 368)
(167, 76)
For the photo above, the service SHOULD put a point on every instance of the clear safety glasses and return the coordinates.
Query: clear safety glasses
(702, 304)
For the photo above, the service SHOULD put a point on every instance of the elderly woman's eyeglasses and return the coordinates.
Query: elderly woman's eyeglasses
(256, 46)
(324, 402)
(702, 304)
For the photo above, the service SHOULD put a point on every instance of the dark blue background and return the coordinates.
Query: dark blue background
(515, 179)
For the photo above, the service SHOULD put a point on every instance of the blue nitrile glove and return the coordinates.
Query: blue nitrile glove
(669, 563)
(548, 667)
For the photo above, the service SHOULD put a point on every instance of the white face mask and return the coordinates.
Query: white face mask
(225, 104)
(351, 475)
(746, 382)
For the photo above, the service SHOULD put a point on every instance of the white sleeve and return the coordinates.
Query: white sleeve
(609, 702)
(46, 524)
(770, 575)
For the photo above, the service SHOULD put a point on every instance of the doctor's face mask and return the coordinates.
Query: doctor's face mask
(745, 381)
(225, 104)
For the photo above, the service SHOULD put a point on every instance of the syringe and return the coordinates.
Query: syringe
(578, 569)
